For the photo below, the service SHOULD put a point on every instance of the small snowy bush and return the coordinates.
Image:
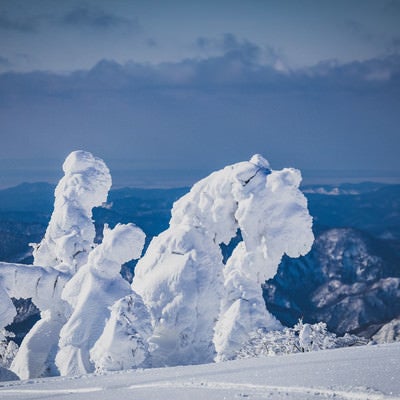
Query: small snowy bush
(124, 341)
(8, 349)
(299, 339)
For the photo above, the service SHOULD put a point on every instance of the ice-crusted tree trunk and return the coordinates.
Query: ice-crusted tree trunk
(65, 247)
(274, 220)
(91, 292)
(182, 278)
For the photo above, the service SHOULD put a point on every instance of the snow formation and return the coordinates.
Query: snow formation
(188, 304)
(65, 247)
(44, 286)
(90, 293)
(124, 341)
(8, 349)
(182, 277)
(70, 234)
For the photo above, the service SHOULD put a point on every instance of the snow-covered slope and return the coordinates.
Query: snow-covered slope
(368, 372)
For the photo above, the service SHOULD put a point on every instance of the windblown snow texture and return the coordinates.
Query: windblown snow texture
(182, 277)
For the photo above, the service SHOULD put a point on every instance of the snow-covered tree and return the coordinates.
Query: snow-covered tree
(8, 349)
(65, 247)
(43, 286)
(301, 338)
(187, 304)
(70, 234)
(124, 341)
(274, 220)
(90, 293)
(182, 278)
(389, 332)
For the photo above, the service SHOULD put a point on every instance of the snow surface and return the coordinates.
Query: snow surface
(357, 373)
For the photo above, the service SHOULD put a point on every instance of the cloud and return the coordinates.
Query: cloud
(95, 18)
(208, 112)
(23, 25)
(226, 43)
(236, 70)
(230, 46)
(387, 43)
(232, 75)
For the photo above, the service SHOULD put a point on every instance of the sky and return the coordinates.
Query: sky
(167, 91)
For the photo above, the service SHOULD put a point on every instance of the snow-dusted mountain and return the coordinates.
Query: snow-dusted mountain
(349, 280)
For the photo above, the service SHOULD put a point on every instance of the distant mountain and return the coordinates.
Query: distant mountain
(24, 214)
(343, 188)
(350, 279)
(376, 211)
(28, 197)
(148, 208)
(25, 211)
(389, 332)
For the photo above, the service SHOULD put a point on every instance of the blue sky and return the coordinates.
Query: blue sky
(180, 88)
